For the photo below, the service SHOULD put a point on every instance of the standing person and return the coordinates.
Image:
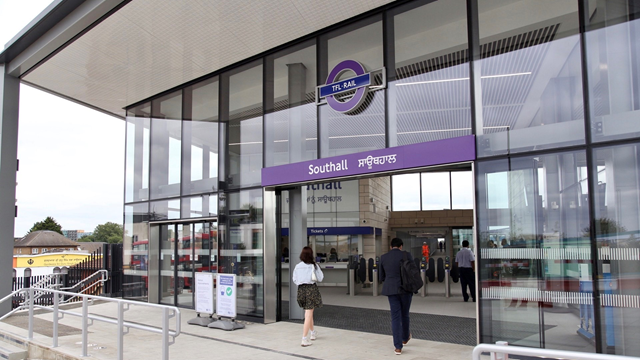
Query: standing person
(465, 261)
(305, 275)
(399, 300)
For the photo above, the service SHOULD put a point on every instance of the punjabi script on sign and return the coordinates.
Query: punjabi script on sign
(379, 160)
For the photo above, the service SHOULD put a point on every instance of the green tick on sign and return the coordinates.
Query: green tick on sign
(229, 290)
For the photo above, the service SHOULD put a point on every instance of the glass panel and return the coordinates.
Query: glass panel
(164, 210)
(436, 191)
(166, 236)
(206, 259)
(364, 128)
(199, 206)
(242, 251)
(429, 99)
(533, 250)
(245, 127)
(165, 146)
(613, 47)
(405, 191)
(291, 127)
(185, 264)
(136, 252)
(332, 204)
(617, 213)
(137, 154)
(200, 139)
(458, 235)
(530, 76)
(461, 190)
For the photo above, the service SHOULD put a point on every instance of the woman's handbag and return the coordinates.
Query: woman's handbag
(314, 278)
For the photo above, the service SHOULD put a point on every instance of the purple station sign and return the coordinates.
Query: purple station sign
(438, 152)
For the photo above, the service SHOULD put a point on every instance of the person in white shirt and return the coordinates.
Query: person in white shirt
(305, 275)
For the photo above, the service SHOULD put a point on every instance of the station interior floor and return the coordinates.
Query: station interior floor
(435, 302)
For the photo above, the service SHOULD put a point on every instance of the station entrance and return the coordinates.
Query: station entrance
(350, 223)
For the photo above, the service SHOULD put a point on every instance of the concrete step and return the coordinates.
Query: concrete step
(11, 352)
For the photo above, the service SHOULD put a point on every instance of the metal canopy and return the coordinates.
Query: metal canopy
(134, 50)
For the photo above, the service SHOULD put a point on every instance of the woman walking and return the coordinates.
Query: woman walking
(305, 275)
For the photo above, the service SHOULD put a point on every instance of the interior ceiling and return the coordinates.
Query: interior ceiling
(150, 46)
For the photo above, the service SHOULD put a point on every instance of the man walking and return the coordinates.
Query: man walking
(465, 261)
(399, 300)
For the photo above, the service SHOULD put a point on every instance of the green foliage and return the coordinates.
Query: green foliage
(108, 232)
(47, 224)
(88, 238)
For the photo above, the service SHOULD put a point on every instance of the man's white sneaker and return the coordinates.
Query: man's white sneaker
(305, 342)
(314, 334)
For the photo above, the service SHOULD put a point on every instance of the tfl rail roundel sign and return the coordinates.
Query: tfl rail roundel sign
(361, 83)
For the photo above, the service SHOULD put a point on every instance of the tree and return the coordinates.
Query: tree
(108, 232)
(47, 224)
(88, 238)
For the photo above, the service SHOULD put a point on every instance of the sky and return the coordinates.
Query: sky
(71, 157)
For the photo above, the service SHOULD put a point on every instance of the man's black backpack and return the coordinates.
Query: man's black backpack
(410, 274)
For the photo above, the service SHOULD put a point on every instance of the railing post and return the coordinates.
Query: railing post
(56, 301)
(85, 325)
(120, 331)
(165, 334)
(31, 294)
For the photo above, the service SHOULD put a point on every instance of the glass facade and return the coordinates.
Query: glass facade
(552, 108)
(529, 76)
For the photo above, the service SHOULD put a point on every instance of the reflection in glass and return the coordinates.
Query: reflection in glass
(166, 137)
(199, 206)
(291, 121)
(137, 154)
(241, 249)
(245, 127)
(185, 248)
(135, 261)
(535, 255)
(364, 128)
(612, 47)
(200, 138)
(429, 99)
(530, 76)
(164, 210)
(617, 200)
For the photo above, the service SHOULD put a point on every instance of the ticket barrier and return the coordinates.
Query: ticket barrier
(351, 280)
(374, 276)
(447, 281)
(423, 275)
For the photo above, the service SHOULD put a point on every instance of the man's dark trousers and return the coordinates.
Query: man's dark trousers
(467, 278)
(400, 305)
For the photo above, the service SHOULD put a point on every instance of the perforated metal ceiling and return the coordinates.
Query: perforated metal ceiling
(151, 46)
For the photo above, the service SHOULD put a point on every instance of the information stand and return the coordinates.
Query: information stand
(205, 294)
(226, 303)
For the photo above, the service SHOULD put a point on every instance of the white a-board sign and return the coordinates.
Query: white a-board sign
(226, 296)
(204, 292)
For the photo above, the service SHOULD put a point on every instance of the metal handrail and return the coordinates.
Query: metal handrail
(543, 353)
(168, 312)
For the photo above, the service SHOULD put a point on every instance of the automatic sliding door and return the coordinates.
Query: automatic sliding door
(185, 247)
(167, 240)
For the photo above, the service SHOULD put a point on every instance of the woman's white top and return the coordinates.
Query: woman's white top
(302, 273)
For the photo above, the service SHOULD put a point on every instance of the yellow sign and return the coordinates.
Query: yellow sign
(49, 260)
